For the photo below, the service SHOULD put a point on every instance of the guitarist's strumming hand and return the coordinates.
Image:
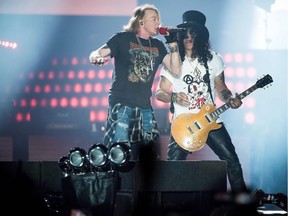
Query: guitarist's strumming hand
(235, 102)
(181, 98)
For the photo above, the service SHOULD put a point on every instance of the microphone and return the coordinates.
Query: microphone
(164, 30)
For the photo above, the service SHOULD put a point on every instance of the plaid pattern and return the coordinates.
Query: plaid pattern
(135, 126)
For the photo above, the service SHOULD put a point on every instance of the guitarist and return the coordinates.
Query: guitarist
(202, 77)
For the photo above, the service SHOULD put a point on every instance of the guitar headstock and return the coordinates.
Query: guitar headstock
(267, 79)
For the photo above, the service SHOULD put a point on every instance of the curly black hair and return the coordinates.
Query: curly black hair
(201, 46)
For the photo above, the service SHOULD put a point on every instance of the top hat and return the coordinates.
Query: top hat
(195, 19)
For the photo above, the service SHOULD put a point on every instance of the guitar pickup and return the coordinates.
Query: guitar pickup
(208, 118)
(198, 126)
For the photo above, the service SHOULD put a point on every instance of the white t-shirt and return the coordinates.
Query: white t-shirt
(192, 83)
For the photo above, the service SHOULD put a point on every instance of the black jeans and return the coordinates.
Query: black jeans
(220, 142)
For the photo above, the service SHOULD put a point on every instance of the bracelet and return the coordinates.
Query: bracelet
(98, 60)
(173, 97)
(173, 49)
(97, 57)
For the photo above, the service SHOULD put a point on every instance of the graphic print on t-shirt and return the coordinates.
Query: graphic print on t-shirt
(143, 60)
(197, 90)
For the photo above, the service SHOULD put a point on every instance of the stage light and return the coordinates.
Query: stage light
(65, 165)
(98, 157)
(119, 153)
(78, 160)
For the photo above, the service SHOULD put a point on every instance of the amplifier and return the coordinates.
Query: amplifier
(60, 119)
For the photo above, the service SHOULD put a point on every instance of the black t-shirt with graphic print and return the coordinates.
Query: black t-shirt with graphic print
(135, 68)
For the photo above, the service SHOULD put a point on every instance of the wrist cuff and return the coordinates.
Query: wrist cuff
(173, 49)
(173, 97)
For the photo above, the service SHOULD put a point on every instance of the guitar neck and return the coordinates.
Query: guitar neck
(216, 113)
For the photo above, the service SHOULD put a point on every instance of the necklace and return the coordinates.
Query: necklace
(191, 60)
(149, 60)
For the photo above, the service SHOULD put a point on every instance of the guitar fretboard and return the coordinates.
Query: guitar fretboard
(215, 114)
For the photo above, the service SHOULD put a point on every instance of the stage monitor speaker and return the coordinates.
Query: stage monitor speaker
(176, 187)
(172, 176)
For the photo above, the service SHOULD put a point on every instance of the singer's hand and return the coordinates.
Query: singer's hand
(169, 35)
(97, 59)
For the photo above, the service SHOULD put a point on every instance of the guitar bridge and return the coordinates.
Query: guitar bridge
(190, 130)
(196, 127)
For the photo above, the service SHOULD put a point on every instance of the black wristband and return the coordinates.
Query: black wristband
(173, 97)
(173, 49)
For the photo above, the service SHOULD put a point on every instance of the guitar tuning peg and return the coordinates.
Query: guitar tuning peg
(267, 86)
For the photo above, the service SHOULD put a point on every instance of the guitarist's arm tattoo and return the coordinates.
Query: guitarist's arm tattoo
(226, 94)
(223, 92)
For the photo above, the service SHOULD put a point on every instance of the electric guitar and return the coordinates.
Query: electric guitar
(191, 131)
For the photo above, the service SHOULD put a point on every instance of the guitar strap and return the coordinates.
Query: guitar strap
(172, 107)
(207, 80)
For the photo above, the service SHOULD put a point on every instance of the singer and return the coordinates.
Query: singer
(137, 56)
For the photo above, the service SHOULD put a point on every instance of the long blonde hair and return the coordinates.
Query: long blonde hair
(138, 14)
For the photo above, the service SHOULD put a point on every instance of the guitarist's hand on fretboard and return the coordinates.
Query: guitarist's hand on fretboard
(235, 102)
